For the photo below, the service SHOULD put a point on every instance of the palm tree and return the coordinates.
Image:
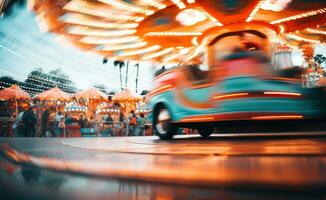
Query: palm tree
(120, 64)
(137, 73)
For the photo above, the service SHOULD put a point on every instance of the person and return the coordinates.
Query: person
(109, 119)
(132, 123)
(62, 127)
(52, 123)
(58, 117)
(109, 125)
(82, 121)
(121, 125)
(140, 124)
(68, 119)
(45, 123)
(18, 125)
(29, 120)
(121, 118)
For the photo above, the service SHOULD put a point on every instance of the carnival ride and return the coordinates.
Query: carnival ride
(174, 30)
(217, 34)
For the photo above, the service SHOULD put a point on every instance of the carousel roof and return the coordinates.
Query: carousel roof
(91, 93)
(53, 94)
(13, 92)
(126, 96)
(165, 30)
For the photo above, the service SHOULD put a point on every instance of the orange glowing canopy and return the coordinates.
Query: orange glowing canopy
(126, 96)
(54, 94)
(91, 93)
(171, 30)
(14, 92)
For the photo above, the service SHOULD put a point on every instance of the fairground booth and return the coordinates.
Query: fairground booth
(12, 101)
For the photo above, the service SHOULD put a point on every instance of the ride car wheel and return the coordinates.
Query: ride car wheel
(205, 132)
(162, 124)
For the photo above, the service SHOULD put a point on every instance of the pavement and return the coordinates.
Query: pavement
(224, 166)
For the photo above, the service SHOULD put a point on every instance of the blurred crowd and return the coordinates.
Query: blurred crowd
(59, 124)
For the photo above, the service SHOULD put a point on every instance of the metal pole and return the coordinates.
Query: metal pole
(127, 66)
(137, 77)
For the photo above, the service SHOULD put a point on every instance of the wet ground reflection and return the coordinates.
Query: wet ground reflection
(26, 182)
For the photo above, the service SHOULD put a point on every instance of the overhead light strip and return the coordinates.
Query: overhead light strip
(141, 51)
(210, 17)
(157, 54)
(173, 33)
(122, 47)
(179, 4)
(85, 21)
(299, 16)
(316, 31)
(128, 7)
(83, 8)
(171, 57)
(255, 10)
(101, 40)
(155, 4)
(296, 37)
(86, 31)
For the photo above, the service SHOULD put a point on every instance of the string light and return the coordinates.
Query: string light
(296, 37)
(184, 51)
(316, 31)
(191, 1)
(122, 47)
(210, 17)
(255, 10)
(173, 33)
(42, 80)
(77, 30)
(171, 57)
(159, 53)
(19, 55)
(141, 51)
(74, 18)
(197, 51)
(282, 29)
(36, 85)
(155, 4)
(125, 6)
(194, 41)
(179, 3)
(87, 8)
(28, 89)
(101, 40)
(299, 16)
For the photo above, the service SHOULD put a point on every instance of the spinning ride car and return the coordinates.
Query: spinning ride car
(239, 90)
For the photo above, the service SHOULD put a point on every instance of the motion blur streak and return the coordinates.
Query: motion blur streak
(283, 93)
(161, 89)
(278, 117)
(231, 95)
(197, 119)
